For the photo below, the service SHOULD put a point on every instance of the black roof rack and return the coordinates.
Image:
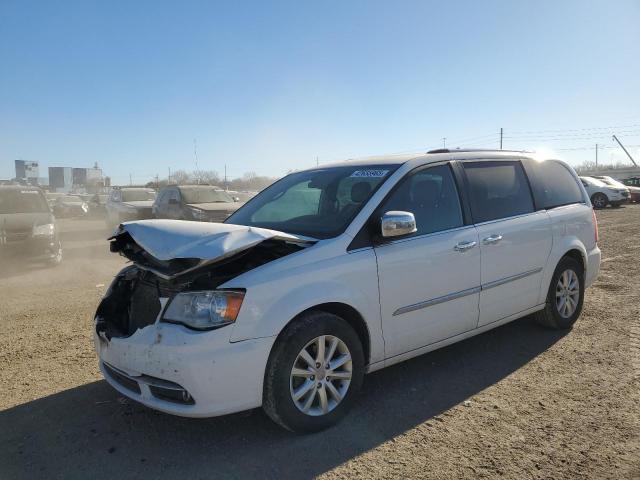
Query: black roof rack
(456, 150)
(440, 150)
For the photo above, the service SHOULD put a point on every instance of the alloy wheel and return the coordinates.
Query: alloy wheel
(599, 201)
(567, 293)
(321, 375)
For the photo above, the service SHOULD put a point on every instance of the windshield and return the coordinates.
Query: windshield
(22, 201)
(316, 203)
(138, 195)
(594, 181)
(611, 182)
(205, 195)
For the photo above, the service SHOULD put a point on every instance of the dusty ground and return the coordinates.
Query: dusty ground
(518, 402)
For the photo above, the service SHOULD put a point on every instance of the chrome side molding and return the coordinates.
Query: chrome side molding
(436, 301)
(464, 293)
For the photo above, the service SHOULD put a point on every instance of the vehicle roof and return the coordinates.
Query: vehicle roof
(428, 157)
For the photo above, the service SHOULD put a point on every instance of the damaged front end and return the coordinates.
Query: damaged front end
(176, 257)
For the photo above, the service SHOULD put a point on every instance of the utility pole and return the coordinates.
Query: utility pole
(130, 182)
(596, 156)
(169, 177)
(500, 138)
(195, 156)
(317, 161)
(226, 187)
(444, 142)
(625, 151)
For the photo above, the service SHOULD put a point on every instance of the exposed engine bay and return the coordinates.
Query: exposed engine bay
(133, 300)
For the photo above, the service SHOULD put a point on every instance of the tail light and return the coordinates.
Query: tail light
(595, 224)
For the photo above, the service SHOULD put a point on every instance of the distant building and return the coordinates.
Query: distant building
(60, 179)
(27, 171)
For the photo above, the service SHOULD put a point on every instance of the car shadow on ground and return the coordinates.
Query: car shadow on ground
(92, 432)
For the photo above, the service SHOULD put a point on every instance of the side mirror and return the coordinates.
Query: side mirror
(396, 224)
(236, 199)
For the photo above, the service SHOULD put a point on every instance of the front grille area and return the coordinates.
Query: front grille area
(122, 379)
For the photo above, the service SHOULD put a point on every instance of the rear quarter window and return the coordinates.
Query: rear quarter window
(497, 189)
(553, 185)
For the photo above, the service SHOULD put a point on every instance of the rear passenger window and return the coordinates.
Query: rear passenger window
(497, 190)
(431, 195)
(554, 185)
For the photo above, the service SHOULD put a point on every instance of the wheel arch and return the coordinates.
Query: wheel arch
(572, 248)
(349, 314)
(577, 255)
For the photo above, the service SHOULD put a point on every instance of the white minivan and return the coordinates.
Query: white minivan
(337, 271)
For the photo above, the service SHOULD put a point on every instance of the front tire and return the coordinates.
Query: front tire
(314, 373)
(599, 200)
(565, 296)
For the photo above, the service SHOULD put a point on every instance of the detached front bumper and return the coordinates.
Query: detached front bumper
(183, 372)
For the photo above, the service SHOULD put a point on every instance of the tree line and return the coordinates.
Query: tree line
(250, 181)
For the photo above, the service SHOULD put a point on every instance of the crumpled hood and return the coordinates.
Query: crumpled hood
(175, 240)
(224, 206)
(140, 203)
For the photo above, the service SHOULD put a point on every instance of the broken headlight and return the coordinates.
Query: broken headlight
(203, 310)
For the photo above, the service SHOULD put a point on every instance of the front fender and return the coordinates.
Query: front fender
(350, 279)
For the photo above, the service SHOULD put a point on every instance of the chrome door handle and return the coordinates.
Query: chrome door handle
(464, 246)
(495, 238)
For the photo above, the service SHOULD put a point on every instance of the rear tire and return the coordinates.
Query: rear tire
(563, 306)
(599, 200)
(326, 400)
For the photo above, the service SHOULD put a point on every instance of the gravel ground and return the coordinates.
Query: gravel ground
(518, 402)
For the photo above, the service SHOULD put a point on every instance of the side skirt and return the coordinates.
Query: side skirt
(448, 341)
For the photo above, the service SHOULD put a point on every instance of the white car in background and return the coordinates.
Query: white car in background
(612, 182)
(603, 194)
(337, 271)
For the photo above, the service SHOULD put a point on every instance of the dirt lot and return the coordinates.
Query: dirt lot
(518, 402)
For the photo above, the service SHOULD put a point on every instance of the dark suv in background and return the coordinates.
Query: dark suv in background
(27, 226)
(203, 203)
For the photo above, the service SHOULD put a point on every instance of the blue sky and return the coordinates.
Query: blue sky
(268, 86)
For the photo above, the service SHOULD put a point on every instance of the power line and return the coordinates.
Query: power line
(583, 136)
(600, 147)
(578, 129)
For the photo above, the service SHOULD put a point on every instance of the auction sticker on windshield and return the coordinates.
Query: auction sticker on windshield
(369, 173)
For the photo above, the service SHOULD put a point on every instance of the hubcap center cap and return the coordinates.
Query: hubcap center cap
(321, 373)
